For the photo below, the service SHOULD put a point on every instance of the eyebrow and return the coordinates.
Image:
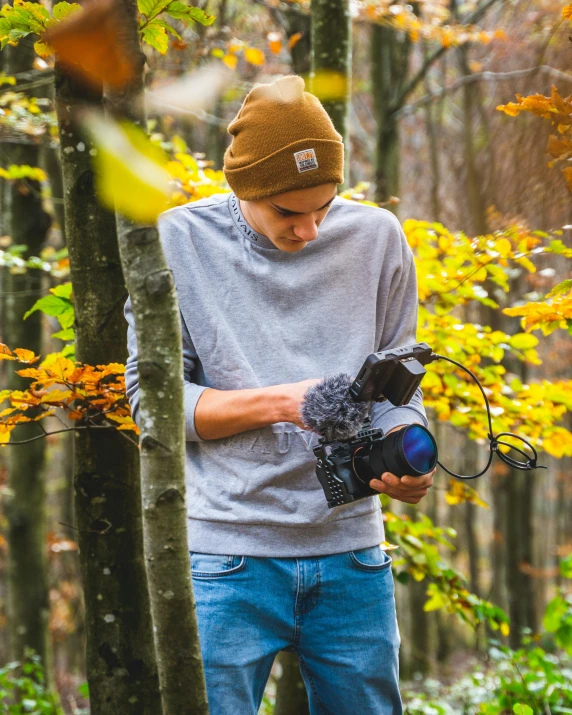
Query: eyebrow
(299, 213)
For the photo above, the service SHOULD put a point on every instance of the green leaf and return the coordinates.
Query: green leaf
(65, 335)
(152, 7)
(167, 27)
(155, 35)
(180, 11)
(50, 305)
(522, 709)
(566, 566)
(561, 288)
(62, 291)
(67, 318)
(145, 6)
(63, 9)
(555, 611)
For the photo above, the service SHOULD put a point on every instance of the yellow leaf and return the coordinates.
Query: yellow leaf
(523, 341)
(43, 49)
(503, 246)
(129, 177)
(504, 629)
(567, 12)
(512, 109)
(230, 61)
(254, 56)
(328, 86)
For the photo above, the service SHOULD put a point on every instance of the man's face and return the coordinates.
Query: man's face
(290, 220)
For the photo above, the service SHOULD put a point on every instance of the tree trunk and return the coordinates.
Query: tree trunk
(121, 668)
(28, 224)
(158, 329)
(477, 207)
(291, 696)
(389, 68)
(331, 55)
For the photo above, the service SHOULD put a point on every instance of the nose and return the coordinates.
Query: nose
(306, 228)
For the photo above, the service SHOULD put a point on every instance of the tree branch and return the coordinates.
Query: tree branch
(428, 63)
(477, 77)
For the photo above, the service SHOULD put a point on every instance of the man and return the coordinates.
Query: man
(281, 283)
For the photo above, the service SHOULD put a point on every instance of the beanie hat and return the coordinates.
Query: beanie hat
(282, 140)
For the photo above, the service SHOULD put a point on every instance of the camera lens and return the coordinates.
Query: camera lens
(411, 450)
(419, 448)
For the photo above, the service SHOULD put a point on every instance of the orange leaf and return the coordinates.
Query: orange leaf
(90, 44)
(5, 353)
(294, 39)
(26, 356)
(275, 42)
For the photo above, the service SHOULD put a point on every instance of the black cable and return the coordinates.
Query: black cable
(495, 442)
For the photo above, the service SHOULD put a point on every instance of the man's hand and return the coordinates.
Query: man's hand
(407, 489)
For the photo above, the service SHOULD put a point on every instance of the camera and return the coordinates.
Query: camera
(345, 467)
(351, 453)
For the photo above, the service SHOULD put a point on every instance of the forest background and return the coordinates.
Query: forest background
(482, 573)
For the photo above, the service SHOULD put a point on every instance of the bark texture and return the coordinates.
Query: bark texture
(28, 224)
(121, 668)
(389, 73)
(157, 320)
(332, 53)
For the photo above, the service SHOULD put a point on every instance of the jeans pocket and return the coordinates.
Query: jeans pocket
(215, 565)
(373, 558)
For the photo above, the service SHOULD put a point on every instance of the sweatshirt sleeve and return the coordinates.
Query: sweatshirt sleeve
(192, 390)
(400, 328)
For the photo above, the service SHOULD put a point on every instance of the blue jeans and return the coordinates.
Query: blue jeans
(336, 612)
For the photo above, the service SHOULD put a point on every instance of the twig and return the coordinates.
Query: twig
(477, 77)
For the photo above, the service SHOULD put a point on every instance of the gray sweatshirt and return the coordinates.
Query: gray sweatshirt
(252, 316)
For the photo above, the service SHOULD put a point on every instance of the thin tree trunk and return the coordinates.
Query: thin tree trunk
(389, 51)
(477, 207)
(121, 668)
(332, 53)
(158, 328)
(28, 589)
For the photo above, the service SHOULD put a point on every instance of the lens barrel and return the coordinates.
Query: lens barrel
(411, 450)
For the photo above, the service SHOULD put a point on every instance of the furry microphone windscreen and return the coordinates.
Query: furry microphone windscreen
(329, 409)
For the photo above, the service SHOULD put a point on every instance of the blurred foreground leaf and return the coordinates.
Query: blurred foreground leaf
(130, 171)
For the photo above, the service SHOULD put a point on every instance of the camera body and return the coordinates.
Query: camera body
(335, 468)
(345, 467)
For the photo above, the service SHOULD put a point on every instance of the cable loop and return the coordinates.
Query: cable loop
(495, 442)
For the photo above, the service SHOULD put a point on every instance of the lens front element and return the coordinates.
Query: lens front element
(419, 448)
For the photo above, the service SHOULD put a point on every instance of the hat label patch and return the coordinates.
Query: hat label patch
(306, 160)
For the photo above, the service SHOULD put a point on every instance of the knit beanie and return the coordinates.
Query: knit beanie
(282, 140)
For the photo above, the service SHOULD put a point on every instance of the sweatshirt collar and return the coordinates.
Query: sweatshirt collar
(244, 228)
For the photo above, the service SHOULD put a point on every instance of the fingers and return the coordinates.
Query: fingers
(407, 489)
(408, 496)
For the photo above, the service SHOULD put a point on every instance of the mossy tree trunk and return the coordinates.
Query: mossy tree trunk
(158, 329)
(28, 224)
(331, 31)
(389, 71)
(121, 668)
